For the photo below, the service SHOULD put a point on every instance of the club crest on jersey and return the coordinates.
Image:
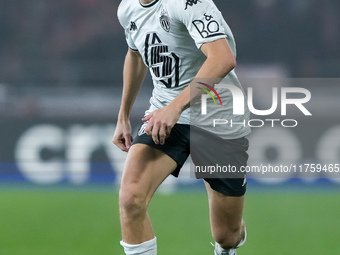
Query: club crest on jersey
(165, 21)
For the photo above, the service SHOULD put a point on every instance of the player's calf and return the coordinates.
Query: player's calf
(229, 239)
(135, 223)
(229, 248)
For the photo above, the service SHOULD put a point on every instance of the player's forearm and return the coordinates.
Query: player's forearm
(220, 61)
(212, 72)
(216, 68)
(133, 77)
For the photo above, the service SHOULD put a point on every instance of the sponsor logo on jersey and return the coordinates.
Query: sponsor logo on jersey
(207, 26)
(191, 3)
(165, 21)
(163, 63)
(133, 26)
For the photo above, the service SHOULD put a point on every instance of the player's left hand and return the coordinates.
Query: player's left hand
(160, 123)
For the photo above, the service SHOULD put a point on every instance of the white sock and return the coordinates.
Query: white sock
(220, 251)
(146, 248)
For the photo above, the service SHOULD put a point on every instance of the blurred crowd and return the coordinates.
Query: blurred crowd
(302, 35)
(80, 42)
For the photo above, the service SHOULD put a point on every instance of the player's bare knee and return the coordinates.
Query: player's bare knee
(132, 203)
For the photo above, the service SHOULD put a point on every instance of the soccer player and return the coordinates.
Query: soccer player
(180, 42)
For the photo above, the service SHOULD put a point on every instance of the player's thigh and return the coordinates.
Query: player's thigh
(145, 169)
(225, 212)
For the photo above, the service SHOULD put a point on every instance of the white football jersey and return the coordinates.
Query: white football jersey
(168, 34)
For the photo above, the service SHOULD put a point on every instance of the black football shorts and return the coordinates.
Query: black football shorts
(206, 150)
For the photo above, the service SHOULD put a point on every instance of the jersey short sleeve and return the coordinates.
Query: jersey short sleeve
(129, 41)
(126, 24)
(202, 19)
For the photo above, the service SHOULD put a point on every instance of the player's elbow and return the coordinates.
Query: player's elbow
(227, 65)
(230, 62)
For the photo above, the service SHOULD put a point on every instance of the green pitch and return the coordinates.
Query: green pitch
(86, 223)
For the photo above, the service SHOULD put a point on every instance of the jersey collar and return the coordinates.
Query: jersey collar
(148, 5)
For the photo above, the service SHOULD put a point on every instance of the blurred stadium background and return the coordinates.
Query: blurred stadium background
(60, 86)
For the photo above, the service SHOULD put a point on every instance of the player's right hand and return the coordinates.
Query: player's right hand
(122, 137)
